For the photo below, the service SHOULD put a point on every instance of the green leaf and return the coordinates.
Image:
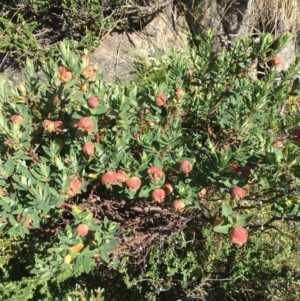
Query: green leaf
(90, 251)
(157, 162)
(44, 207)
(144, 157)
(224, 229)
(104, 256)
(226, 209)
(86, 264)
(112, 244)
(48, 151)
(144, 192)
(36, 219)
(91, 224)
(37, 175)
(47, 276)
(106, 222)
(243, 220)
(9, 167)
(88, 215)
(98, 110)
(78, 263)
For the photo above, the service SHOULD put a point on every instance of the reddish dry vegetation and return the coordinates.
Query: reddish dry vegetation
(218, 221)
(295, 133)
(246, 171)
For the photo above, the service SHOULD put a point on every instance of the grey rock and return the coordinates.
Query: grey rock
(118, 51)
(228, 20)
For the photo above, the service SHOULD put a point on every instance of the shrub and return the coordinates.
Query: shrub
(50, 187)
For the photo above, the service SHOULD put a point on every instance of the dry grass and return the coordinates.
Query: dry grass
(275, 16)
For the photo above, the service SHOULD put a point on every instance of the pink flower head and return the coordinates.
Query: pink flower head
(238, 236)
(86, 124)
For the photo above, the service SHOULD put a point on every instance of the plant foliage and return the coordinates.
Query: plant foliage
(80, 161)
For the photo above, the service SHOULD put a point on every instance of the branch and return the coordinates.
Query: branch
(130, 244)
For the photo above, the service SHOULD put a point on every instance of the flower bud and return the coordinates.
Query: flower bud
(19, 217)
(89, 73)
(190, 73)
(134, 183)
(48, 125)
(277, 60)
(178, 205)
(82, 230)
(161, 99)
(75, 186)
(151, 122)
(155, 173)
(85, 60)
(83, 88)
(22, 88)
(109, 177)
(64, 75)
(234, 167)
(238, 193)
(88, 148)
(238, 236)
(17, 119)
(68, 259)
(121, 176)
(168, 188)
(86, 124)
(158, 195)
(179, 92)
(278, 143)
(186, 167)
(58, 126)
(93, 101)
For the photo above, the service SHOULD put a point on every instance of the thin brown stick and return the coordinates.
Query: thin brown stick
(131, 244)
(169, 121)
